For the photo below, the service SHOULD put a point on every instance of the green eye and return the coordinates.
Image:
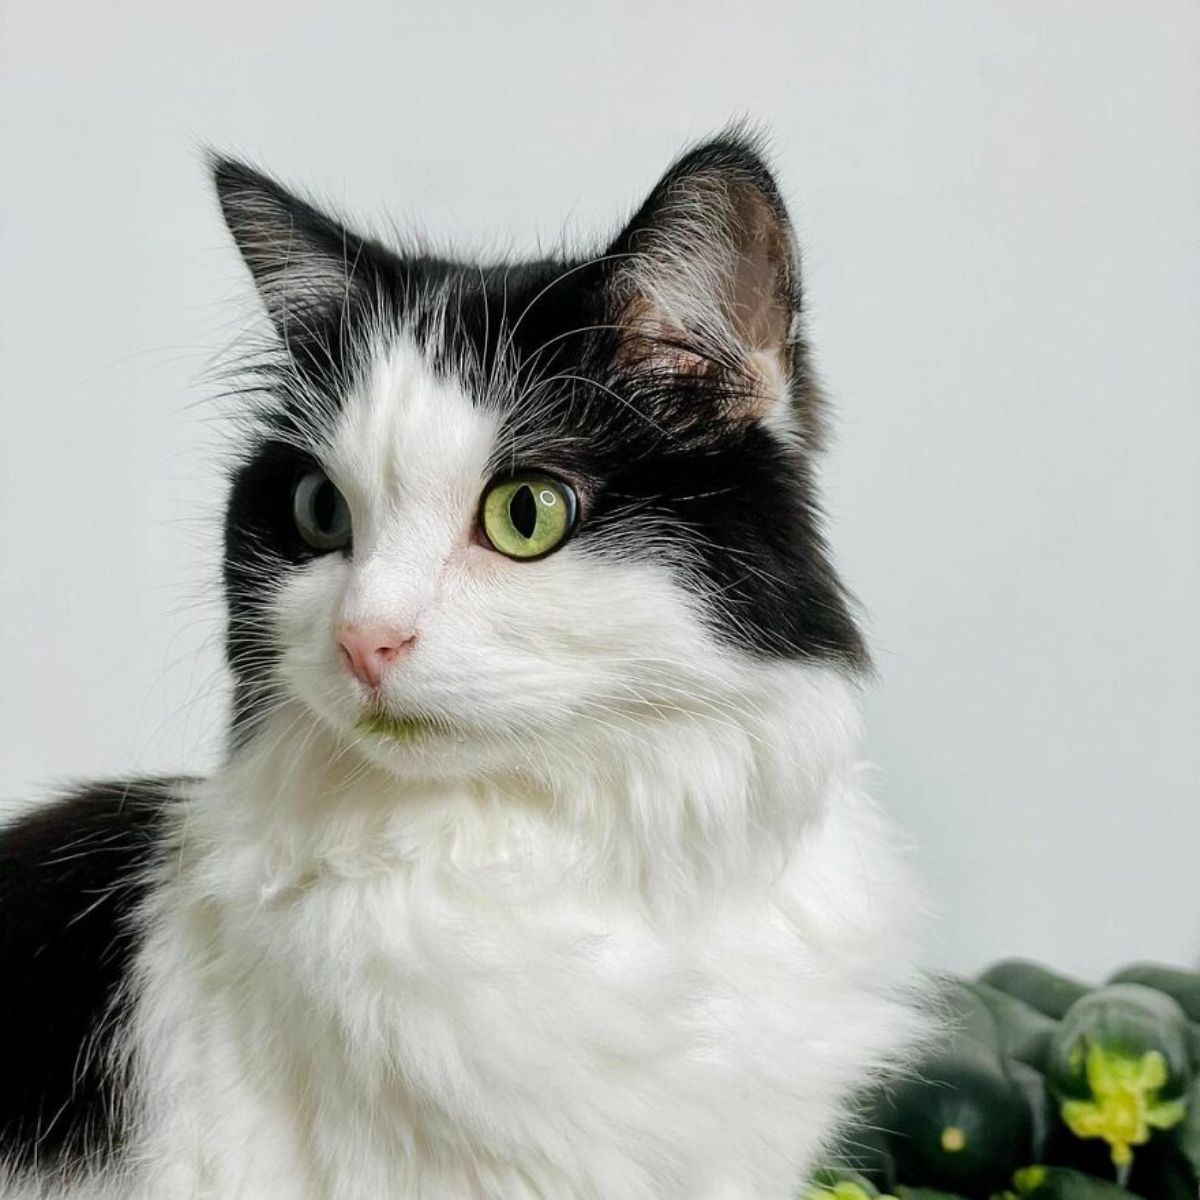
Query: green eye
(528, 516)
(320, 511)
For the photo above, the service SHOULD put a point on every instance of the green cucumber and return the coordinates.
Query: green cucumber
(1160, 1172)
(1047, 991)
(964, 1015)
(833, 1184)
(1182, 986)
(1119, 1065)
(959, 1125)
(1064, 1149)
(1024, 1032)
(1186, 1135)
(863, 1149)
(1043, 1110)
(1061, 1183)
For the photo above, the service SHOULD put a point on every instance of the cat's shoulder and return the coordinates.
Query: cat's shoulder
(73, 873)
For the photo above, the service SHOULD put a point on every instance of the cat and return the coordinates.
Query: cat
(540, 863)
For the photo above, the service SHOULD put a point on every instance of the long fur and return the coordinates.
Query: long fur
(623, 922)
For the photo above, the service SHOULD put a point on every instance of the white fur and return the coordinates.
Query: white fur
(630, 929)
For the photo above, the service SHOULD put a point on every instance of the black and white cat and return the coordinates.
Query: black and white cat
(540, 863)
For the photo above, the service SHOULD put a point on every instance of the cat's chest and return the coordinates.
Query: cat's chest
(388, 1018)
(441, 986)
(414, 944)
(429, 1009)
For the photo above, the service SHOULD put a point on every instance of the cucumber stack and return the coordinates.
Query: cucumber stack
(1045, 1088)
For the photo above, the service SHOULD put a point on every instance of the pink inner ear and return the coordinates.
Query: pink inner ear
(712, 291)
(759, 299)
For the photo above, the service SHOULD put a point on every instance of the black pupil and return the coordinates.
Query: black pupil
(325, 507)
(522, 511)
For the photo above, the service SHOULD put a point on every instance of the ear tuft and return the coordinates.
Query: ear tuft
(302, 261)
(705, 275)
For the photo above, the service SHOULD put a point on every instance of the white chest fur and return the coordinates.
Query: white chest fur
(443, 996)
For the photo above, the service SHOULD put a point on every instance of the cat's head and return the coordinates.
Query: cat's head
(490, 512)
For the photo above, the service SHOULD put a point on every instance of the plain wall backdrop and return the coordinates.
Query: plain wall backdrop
(999, 204)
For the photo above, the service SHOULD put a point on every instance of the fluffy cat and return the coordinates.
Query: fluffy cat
(540, 864)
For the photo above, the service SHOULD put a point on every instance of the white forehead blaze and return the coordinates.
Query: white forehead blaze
(410, 453)
(407, 432)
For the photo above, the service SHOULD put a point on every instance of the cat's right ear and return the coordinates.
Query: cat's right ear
(304, 263)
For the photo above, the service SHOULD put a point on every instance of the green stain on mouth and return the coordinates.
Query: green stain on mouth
(399, 729)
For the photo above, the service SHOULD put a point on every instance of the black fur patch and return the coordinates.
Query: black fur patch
(71, 877)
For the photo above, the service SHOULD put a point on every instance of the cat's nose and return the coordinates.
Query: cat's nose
(368, 649)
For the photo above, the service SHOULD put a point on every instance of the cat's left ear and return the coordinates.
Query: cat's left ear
(705, 277)
(304, 263)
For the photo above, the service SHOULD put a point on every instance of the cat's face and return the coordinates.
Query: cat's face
(491, 514)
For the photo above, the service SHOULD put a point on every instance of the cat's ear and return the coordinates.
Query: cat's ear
(705, 277)
(303, 262)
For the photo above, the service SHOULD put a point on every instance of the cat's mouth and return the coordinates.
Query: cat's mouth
(406, 728)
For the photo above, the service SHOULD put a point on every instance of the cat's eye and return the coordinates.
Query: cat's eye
(320, 511)
(527, 516)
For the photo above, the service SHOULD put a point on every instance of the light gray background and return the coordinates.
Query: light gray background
(1000, 205)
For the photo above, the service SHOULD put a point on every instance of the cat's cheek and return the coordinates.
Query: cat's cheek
(303, 616)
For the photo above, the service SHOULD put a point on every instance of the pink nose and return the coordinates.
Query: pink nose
(367, 650)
